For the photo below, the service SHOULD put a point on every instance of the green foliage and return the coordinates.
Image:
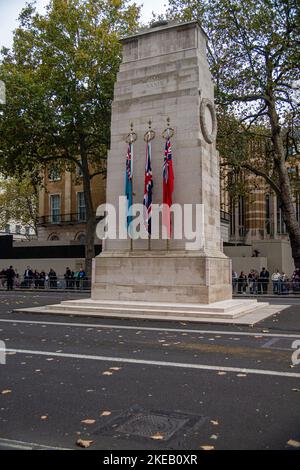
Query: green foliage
(19, 202)
(253, 51)
(59, 79)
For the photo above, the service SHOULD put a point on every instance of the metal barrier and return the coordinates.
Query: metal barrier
(58, 283)
(280, 287)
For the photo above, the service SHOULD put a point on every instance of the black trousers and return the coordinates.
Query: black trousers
(10, 284)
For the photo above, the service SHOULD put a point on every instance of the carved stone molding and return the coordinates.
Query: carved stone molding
(208, 136)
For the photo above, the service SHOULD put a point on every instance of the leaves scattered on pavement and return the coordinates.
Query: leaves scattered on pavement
(88, 421)
(84, 443)
(158, 436)
(293, 443)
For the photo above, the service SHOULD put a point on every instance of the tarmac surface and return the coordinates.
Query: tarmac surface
(158, 385)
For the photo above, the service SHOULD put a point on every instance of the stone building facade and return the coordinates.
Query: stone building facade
(61, 205)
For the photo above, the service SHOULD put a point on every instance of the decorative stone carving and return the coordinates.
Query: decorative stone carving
(208, 136)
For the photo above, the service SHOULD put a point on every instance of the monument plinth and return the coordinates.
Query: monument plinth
(164, 74)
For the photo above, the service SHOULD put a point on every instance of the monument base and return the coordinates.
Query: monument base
(161, 276)
(239, 312)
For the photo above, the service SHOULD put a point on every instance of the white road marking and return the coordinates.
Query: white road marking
(144, 328)
(270, 342)
(270, 345)
(12, 444)
(155, 363)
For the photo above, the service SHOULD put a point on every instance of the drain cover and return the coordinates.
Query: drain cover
(146, 425)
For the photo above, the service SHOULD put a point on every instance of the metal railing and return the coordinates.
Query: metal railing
(61, 219)
(58, 283)
(280, 287)
(225, 216)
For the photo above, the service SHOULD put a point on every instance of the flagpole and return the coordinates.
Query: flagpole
(148, 137)
(130, 139)
(167, 134)
(131, 150)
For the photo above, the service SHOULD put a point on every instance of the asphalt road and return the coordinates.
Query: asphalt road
(146, 385)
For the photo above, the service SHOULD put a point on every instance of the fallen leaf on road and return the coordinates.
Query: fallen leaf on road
(293, 443)
(84, 443)
(241, 375)
(295, 389)
(214, 436)
(158, 436)
(105, 413)
(115, 368)
(5, 392)
(215, 423)
(222, 373)
(44, 417)
(88, 421)
(107, 372)
(207, 447)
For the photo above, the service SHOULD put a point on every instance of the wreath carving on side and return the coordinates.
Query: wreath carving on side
(208, 136)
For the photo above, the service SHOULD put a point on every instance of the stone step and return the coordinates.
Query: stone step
(224, 307)
(121, 310)
(247, 318)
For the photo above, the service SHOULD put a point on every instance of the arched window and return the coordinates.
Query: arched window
(80, 237)
(53, 237)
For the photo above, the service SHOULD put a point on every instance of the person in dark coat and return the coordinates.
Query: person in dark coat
(242, 283)
(28, 276)
(53, 279)
(264, 278)
(10, 276)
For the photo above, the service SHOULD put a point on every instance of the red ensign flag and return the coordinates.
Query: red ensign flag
(168, 186)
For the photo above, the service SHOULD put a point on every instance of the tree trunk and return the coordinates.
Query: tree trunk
(286, 193)
(90, 212)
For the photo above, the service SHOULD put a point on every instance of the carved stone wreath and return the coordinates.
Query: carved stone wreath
(208, 136)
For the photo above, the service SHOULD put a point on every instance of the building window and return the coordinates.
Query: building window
(281, 228)
(78, 171)
(241, 208)
(298, 206)
(81, 210)
(18, 229)
(53, 237)
(54, 174)
(55, 208)
(232, 218)
(80, 238)
(7, 228)
(268, 213)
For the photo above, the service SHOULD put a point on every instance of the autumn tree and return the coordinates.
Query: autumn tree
(253, 50)
(59, 78)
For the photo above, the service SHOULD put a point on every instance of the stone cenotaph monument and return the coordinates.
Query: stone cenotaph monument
(164, 74)
(164, 77)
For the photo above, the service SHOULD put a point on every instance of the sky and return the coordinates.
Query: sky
(10, 9)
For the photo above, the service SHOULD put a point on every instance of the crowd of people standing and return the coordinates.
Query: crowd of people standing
(258, 282)
(10, 278)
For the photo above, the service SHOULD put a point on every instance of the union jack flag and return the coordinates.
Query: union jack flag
(148, 189)
(168, 185)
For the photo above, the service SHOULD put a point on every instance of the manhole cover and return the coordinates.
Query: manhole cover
(146, 425)
(143, 424)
